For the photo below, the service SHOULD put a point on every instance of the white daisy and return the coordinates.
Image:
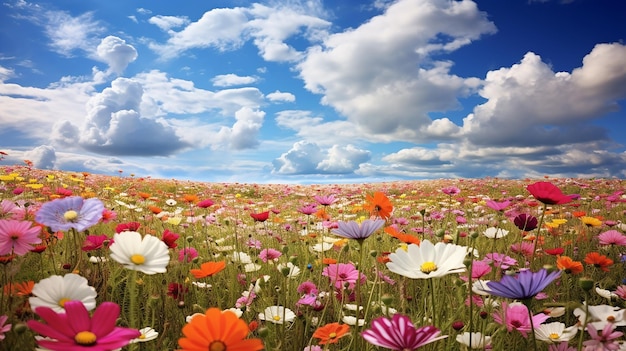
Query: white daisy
(555, 332)
(56, 290)
(495, 233)
(147, 334)
(477, 340)
(427, 260)
(148, 254)
(289, 270)
(277, 315)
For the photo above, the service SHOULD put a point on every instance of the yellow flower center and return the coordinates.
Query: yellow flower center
(142, 336)
(70, 215)
(85, 338)
(217, 345)
(276, 318)
(428, 267)
(63, 301)
(137, 259)
(610, 319)
(554, 336)
(332, 335)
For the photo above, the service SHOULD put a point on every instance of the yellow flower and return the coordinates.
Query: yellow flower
(34, 186)
(174, 220)
(591, 221)
(8, 177)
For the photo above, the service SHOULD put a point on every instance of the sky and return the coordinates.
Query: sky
(297, 91)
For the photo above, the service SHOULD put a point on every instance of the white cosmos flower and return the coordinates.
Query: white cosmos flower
(277, 315)
(147, 254)
(351, 320)
(601, 315)
(147, 334)
(555, 332)
(294, 271)
(478, 340)
(56, 290)
(495, 233)
(427, 260)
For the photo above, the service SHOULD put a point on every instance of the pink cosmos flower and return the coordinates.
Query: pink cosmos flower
(498, 206)
(95, 242)
(524, 248)
(602, 340)
(342, 275)
(205, 203)
(187, 254)
(612, 237)
(451, 190)
(269, 255)
(8, 210)
(308, 209)
(399, 333)
(75, 330)
(325, 200)
(479, 270)
(18, 237)
(500, 260)
(307, 288)
(515, 317)
(4, 327)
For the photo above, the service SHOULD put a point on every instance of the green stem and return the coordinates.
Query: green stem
(527, 302)
(543, 213)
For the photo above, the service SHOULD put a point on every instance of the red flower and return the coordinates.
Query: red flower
(599, 261)
(130, 226)
(260, 217)
(554, 252)
(169, 238)
(548, 193)
(176, 290)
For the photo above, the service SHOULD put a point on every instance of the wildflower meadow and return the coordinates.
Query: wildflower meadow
(99, 263)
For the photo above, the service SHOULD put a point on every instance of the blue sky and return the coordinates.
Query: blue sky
(315, 91)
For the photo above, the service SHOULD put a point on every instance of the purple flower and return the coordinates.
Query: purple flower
(352, 229)
(70, 212)
(525, 285)
(525, 222)
(399, 333)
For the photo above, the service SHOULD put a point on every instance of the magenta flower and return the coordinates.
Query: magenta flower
(548, 193)
(205, 203)
(498, 206)
(525, 285)
(70, 212)
(352, 229)
(612, 237)
(75, 330)
(18, 237)
(451, 190)
(4, 327)
(343, 275)
(325, 200)
(308, 209)
(603, 340)
(269, 255)
(399, 333)
(187, 254)
(515, 317)
(95, 242)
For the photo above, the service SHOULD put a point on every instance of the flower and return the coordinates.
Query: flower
(217, 330)
(18, 237)
(515, 317)
(75, 330)
(277, 315)
(600, 315)
(451, 190)
(399, 333)
(599, 260)
(308, 209)
(4, 327)
(352, 229)
(260, 217)
(177, 291)
(612, 237)
(208, 269)
(602, 340)
(331, 333)
(129, 226)
(565, 263)
(269, 255)
(147, 334)
(289, 270)
(205, 203)
(55, 291)
(325, 200)
(70, 212)
(498, 206)
(148, 254)
(525, 285)
(379, 205)
(94, 242)
(525, 222)
(427, 260)
(555, 332)
(187, 254)
(169, 238)
(495, 233)
(548, 193)
(343, 275)
(474, 340)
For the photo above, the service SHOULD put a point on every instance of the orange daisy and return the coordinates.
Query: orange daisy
(599, 261)
(191, 198)
(565, 263)
(217, 331)
(208, 269)
(405, 238)
(379, 205)
(331, 333)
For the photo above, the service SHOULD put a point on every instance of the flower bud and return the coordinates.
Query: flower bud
(387, 299)
(586, 283)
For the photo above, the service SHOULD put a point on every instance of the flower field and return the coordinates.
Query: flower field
(101, 263)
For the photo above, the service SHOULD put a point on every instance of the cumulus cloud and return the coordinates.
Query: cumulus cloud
(308, 158)
(244, 133)
(227, 80)
(43, 157)
(114, 124)
(383, 76)
(279, 96)
(116, 53)
(165, 23)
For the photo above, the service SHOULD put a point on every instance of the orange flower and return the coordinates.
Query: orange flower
(405, 238)
(331, 333)
(208, 269)
(190, 198)
(568, 265)
(154, 209)
(144, 195)
(321, 214)
(378, 205)
(579, 214)
(329, 260)
(217, 331)
(599, 261)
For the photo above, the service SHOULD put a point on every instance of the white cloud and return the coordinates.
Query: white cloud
(116, 53)
(308, 158)
(69, 33)
(244, 133)
(227, 80)
(278, 96)
(382, 75)
(166, 23)
(43, 157)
